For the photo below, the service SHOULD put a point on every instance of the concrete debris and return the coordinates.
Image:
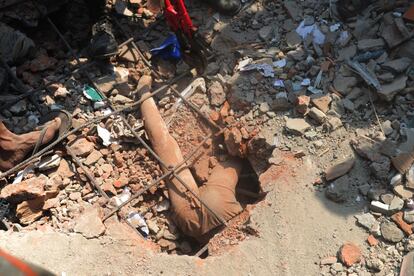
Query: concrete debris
(344, 84)
(265, 32)
(294, 11)
(233, 139)
(381, 168)
(339, 169)
(30, 210)
(403, 161)
(366, 74)
(322, 103)
(49, 162)
(367, 148)
(338, 190)
(407, 266)
(410, 178)
(297, 126)
(82, 147)
(89, 223)
(396, 204)
(217, 94)
(370, 44)
(409, 217)
(402, 192)
(295, 82)
(397, 65)
(334, 123)
(391, 232)
(317, 115)
(28, 189)
(366, 220)
(379, 207)
(388, 91)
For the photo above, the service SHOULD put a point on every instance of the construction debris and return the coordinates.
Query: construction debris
(332, 78)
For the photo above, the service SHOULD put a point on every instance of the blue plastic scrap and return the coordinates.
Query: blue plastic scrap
(169, 49)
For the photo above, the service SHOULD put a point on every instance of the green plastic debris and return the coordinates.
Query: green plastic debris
(92, 94)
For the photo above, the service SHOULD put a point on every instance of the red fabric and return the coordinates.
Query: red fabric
(18, 264)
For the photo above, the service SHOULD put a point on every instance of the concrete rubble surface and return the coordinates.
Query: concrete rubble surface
(314, 98)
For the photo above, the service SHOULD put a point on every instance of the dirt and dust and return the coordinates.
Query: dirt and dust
(296, 227)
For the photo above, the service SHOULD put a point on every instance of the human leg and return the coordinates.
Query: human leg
(14, 148)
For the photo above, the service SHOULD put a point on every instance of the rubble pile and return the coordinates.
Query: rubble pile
(329, 81)
(340, 88)
(334, 85)
(56, 191)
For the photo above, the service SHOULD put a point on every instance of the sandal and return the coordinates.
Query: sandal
(65, 126)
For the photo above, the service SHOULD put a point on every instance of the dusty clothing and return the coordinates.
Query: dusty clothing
(219, 192)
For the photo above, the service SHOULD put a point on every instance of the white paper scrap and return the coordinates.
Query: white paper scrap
(105, 135)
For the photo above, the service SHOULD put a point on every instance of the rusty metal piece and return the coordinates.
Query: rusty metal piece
(157, 181)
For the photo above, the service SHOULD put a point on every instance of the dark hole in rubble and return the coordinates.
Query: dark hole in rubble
(247, 192)
(172, 240)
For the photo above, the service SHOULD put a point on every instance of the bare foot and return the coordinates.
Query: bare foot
(14, 148)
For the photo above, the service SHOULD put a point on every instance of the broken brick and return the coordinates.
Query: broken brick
(350, 254)
(398, 219)
(372, 241)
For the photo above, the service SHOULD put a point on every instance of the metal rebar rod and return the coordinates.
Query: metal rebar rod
(129, 40)
(131, 129)
(90, 122)
(135, 229)
(148, 147)
(147, 63)
(86, 124)
(43, 86)
(87, 173)
(182, 182)
(157, 181)
(195, 109)
(202, 250)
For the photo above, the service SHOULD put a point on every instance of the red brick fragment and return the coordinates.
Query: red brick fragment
(350, 254)
(398, 219)
(372, 241)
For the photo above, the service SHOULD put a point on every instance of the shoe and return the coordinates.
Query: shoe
(226, 7)
(103, 43)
